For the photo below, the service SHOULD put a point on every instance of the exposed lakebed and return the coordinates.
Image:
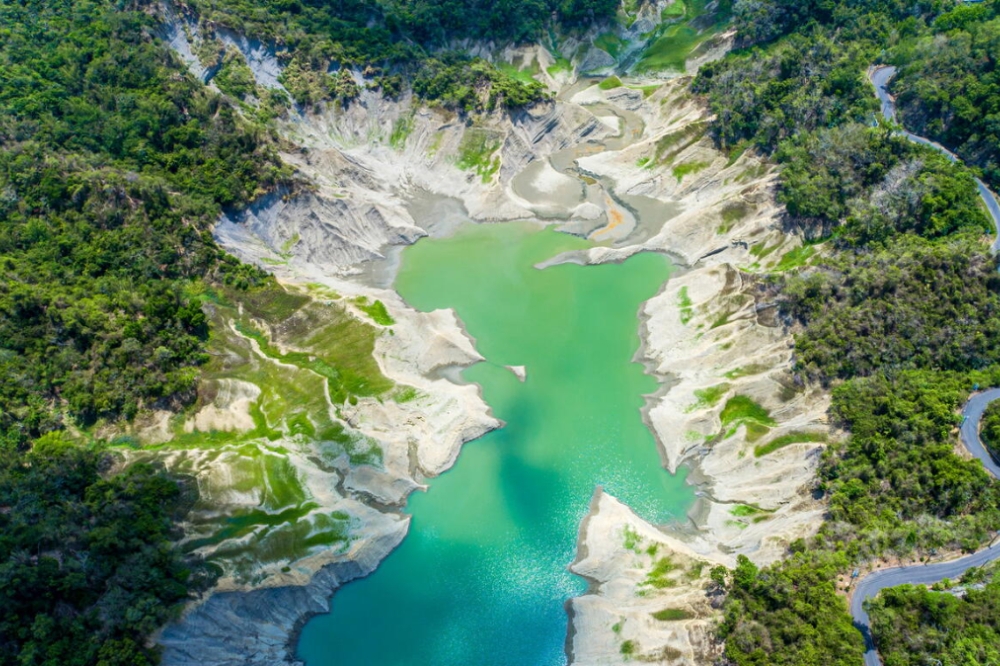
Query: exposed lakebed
(482, 576)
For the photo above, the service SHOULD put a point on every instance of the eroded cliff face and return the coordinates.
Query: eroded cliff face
(631, 168)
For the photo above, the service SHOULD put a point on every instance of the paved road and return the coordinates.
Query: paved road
(926, 574)
(880, 77)
(970, 429)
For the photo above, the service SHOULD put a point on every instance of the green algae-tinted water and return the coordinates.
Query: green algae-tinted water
(481, 579)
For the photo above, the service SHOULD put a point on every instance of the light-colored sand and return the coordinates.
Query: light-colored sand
(550, 181)
(520, 371)
(724, 336)
(356, 213)
(230, 411)
(617, 553)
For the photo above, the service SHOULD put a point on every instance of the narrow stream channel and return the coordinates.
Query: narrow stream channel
(482, 576)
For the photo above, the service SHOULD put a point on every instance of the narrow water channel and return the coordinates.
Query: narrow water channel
(481, 579)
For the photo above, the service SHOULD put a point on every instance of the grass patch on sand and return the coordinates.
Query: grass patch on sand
(671, 144)
(672, 615)
(401, 130)
(611, 43)
(741, 410)
(745, 511)
(722, 319)
(745, 371)
(687, 168)
(678, 37)
(282, 366)
(560, 65)
(708, 397)
(731, 214)
(522, 74)
(646, 91)
(632, 540)
(686, 306)
(796, 437)
(658, 576)
(756, 431)
(375, 310)
(761, 250)
(795, 258)
(610, 83)
(476, 152)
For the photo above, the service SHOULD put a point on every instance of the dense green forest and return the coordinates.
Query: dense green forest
(397, 41)
(900, 316)
(918, 626)
(788, 614)
(948, 85)
(361, 31)
(114, 164)
(86, 566)
(113, 168)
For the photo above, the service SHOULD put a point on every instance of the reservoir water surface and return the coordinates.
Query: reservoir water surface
(481, 579)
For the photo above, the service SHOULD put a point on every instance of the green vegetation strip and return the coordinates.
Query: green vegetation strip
(785, 440)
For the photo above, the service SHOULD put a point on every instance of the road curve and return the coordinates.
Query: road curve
(926, 574)
(973, 412)
(880, 77)
(917, 574)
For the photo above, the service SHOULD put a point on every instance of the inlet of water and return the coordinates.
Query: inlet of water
(482, 576)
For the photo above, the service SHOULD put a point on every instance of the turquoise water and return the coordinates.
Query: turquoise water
(481, 579)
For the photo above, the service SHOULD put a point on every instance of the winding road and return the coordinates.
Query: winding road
(880, 77)
(926, 574)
